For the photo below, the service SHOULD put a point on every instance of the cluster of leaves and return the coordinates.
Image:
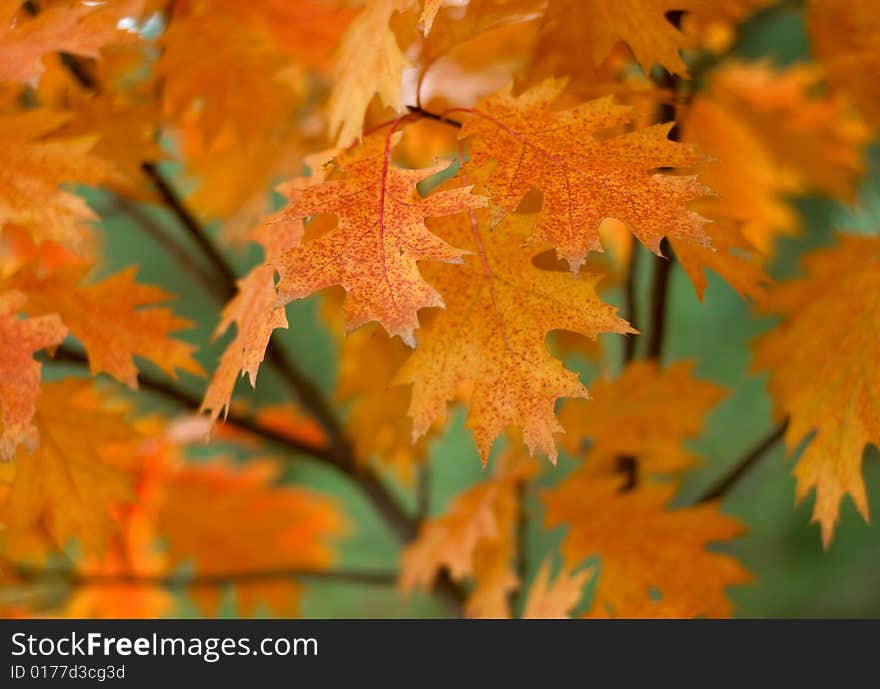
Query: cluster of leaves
(461, 183)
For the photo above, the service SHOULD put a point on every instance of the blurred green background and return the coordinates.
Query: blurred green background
(794, 577)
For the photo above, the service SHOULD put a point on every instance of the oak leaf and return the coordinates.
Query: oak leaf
(256, 314)
(285, 528)
(33, 164)
(588, 30)
(365, 67)
(116, 319)
(645, 412)
(654, 560)
(19, 373)
(83, 466)
(557, 598)
(71, 26)
(823, 368)
(379, 237)
(475, 538)
(844, 35)
(499, 309)
(586, 175)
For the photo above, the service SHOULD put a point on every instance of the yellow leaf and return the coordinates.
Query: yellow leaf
(82, 468)
(554, 599)
(823, 368)
(369, 62)
(654, 560)
(646, 413)
(499, 309)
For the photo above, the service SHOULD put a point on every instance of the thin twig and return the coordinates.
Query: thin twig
(173, 202)
(629, 301)
(522, 550)
(659, 301)
(180, 581)
(423, 491)
(427, 114)
(171, 246)
(743, 464)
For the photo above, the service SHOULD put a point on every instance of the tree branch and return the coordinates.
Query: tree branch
(741, 467)
(179, 581)
(629, 301)
(427, 114)
(659, 294)
(403, 526)
(522, 553)
(172, 247)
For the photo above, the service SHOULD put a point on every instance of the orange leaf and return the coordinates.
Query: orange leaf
(654, 561)
(81, 469)
(554, 599)
(32, 166)
(365, 67)
(71, 26)
(115, 319)
(19, 373)
(587, 176)
(474, 538)
(379, 237)
(588, 30)
(499, 309)
(844, 35)
(228, 520)
(646, 412)
(823, 368)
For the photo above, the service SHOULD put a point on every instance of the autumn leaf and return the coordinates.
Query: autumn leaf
(19, 373)
(203, 521)
(71, 26)
(33, 164)
(600, 177)
(365, 68)
(822, 360)
(844, 36)
(588, 31)
(379, 236)
(115, 319)
(377, 421)
(474, 538)
(499, 309)
(83, 467)
(557, 598)
(654, 560)
(646, 412)
(123, 116)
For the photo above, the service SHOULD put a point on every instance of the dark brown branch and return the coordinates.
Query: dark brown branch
(629, 301)
(427, 114)
(423, 491)
(659, 299)
(188, 400)
(404, 526)
(172, 247)
(174, 581)
(194, 228)
(522, 550)
(743, 464)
